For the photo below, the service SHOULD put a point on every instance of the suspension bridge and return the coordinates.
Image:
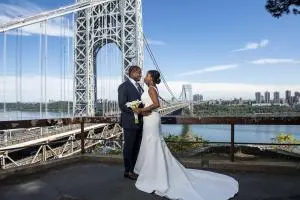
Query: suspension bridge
(96, 42)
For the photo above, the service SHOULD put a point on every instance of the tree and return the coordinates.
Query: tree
(279, 7)
(186, 131)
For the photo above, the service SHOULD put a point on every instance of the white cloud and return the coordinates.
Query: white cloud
(10, 12)
(210, 69)
(31, 88)
(275, 61)
(223, 90)
(156, 42)
(253, 45)
(264, 43)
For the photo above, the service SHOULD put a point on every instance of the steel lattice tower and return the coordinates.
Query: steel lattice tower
(116, 21)
(187, 95)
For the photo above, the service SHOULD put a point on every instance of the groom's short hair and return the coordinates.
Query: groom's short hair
(133, 68)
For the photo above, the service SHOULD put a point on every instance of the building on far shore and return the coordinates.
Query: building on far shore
(267, 97)
(262, 99)
(288, 98)
(297, 97)
(257, 97)
(197, 98)
(276, 98)
(288, 95)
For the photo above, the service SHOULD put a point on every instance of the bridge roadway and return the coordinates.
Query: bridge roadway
(42, 147)
(48, 137)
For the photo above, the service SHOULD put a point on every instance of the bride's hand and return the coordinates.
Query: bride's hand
(146, 113)
(137, 110)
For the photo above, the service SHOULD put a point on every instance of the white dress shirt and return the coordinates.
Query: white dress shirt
(133, 82)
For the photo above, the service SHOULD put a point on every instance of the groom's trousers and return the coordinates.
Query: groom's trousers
(132, 138)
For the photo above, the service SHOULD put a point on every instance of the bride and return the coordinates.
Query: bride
(160, 172)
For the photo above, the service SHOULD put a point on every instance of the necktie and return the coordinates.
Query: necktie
(138, 87)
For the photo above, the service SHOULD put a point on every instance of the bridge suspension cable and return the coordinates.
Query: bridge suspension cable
(4, 72)
(43, 66)
(69, 68)
(157, 67)
(50, 14)
(61, 62)
(18, 72)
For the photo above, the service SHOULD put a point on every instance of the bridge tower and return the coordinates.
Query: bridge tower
(187, 96)
(115, 21)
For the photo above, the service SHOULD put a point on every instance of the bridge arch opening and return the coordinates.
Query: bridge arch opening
(108, 71)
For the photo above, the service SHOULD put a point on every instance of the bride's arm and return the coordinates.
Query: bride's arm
(154, 97)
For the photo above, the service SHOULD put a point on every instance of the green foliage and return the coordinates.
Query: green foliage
(185, 130)
(206, 110)
(284, 138)
(178, 143)
(115, 152)
(279, 7)
(58, 106)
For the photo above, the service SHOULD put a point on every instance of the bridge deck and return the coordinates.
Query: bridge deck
(94, 181)
(49, 137)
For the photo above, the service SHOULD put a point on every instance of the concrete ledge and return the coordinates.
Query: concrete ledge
(244, 166)
(214, 165)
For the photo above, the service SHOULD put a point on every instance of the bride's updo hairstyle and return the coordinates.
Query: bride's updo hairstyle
(155, 76)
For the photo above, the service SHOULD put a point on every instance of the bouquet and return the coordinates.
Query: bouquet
(134, 105)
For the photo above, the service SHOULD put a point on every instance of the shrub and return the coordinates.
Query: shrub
(178, 143)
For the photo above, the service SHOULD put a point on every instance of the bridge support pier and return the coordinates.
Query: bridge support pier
(2, 161)
(44, 153)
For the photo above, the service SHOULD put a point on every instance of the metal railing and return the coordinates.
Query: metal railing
(232, 121)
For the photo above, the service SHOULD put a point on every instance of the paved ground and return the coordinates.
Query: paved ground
(94, 181)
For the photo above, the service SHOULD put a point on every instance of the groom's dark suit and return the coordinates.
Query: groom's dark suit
(127, 92)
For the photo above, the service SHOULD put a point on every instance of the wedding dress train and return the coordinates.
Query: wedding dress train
(160, 172)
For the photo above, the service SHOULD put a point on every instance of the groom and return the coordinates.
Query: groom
(128, 91)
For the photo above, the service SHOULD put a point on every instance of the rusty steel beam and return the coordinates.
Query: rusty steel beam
(4, 125)
(232, 120)
(232, 143)
(165, 120)
(37, 123)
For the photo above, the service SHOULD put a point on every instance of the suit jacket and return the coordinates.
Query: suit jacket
(127, 92)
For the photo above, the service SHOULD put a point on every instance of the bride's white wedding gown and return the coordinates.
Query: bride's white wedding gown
(161, 173)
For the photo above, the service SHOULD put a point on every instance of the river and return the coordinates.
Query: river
(213, 133)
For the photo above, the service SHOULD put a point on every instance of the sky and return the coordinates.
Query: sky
(225, 49)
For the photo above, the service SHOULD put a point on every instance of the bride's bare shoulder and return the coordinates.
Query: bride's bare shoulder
(152, 88)
(152, 91)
